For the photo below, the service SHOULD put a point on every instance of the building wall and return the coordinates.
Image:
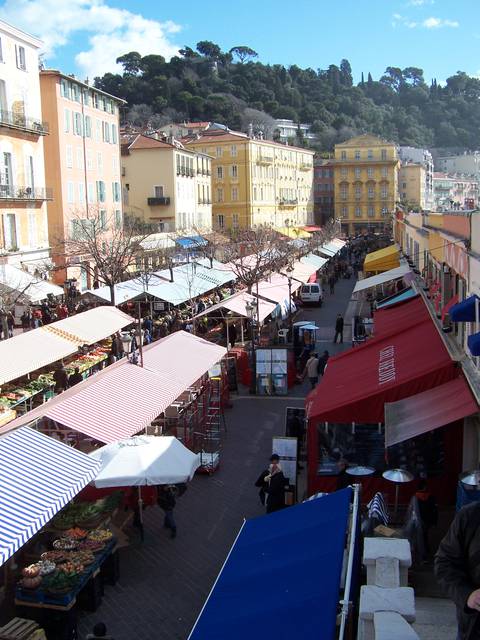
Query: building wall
(417, 155)
(412, 185)
(258, 182)
(323, 191)
(23, 210)
(365, 183)
(172, 173)
(467, 163)
(82, 160)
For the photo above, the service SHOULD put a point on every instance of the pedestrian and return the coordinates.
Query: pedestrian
(116, 350)
(338, 328)
(427, 506)
(331, 282)
(75, 378)
(148, 324)
(147, 337)
(25, 320)
(322, 362)
(311, 370)
(166, 502)
(457, 569)
(60, 377)
(99, 632)
(272, 485)
(232, 335)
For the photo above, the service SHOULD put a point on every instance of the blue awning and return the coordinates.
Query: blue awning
(38, 476)
(463, 311)
(473, 342)
(191, 242)
(398, 297)
(282, 576)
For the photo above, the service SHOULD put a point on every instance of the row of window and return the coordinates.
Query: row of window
(10, 239)
(7, 177)
(358, 212)
(323, 173)
(82, 126)
(358, 194)
(95, 193)
(78, 228)
(232, 171)
(87, 160)
(90, 98)
(323, 186)
(370, 171)
(219, 151)
(369, 155)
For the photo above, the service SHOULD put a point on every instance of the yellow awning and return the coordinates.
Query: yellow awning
(382, 260)
(293, 232)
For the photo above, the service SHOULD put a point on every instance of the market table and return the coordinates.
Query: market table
(39, 604)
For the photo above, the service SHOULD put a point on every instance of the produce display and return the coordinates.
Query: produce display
(76, 516)
(65, 544)
(100, 535)
(91, 545)
(32, 571)
(46, 567)
(76, 533)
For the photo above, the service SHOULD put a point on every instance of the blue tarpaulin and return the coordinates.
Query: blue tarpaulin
(282, 576)
(399, 297)
(463, 311)
(473, 342)
(191, 242)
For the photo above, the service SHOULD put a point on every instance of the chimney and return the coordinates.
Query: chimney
(250, 130)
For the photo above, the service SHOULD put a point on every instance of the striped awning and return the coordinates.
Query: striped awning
(91, 326)
(38, 476)
(119, 402)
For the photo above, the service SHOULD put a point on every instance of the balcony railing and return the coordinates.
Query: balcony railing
(162, 201)
(204, 201)
(20, 122)
(24, 194)
(264, 159)
(288, 202)
(306, 166)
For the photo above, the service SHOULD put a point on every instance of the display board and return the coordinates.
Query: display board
(286, 449)
(271, 368)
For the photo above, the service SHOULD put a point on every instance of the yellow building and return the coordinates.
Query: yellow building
(166, 185)
(257, 182)
(365, 175)
(23, 196)
(82, 164)
(412, 186)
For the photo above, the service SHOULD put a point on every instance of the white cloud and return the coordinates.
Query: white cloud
(419, 3)
(438, 23)
(429, 23)
(111, 31)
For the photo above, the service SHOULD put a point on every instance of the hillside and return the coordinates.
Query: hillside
(236, 89)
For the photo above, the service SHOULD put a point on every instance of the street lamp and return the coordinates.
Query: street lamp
(251, 308)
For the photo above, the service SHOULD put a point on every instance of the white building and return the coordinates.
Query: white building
(416, 155)
(288, 129)
(23, 212)
(462, 163)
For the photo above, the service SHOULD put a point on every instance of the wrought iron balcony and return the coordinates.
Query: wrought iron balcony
(288, 202)
(264, 159)
(154, 202)
(21, 123)
(24, 194)
(306, 166)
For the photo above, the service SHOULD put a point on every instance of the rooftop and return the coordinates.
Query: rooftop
(73, 78)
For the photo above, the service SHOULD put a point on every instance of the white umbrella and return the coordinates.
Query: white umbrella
(144, 460)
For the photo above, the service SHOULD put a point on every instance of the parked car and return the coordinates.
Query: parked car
(311, 293)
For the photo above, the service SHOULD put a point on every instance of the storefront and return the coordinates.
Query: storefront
(346, 411)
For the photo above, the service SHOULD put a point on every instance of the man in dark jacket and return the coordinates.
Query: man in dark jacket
(457, 568)
(166, 502)
(322, 362)
(338, 328)
(272, 484)
(75, 378)
(60, 377)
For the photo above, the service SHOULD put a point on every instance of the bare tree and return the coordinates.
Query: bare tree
(262, 123)
(108, 248)
(255, 254)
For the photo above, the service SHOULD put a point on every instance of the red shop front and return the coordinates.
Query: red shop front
(346, 411)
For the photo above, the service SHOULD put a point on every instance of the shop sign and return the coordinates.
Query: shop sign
(457, 259)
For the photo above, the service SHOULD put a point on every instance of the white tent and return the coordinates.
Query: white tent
(144, 460)
(25, 286)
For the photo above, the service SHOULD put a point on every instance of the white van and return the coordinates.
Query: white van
(311, 293)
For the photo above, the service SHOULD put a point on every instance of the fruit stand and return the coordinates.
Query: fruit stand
(23, 395)
(81, 554)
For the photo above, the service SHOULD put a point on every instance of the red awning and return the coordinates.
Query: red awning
(429, 410)
(398, 317)
(448, 306)
(390, 367)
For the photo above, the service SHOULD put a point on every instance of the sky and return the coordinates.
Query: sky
(86, 36)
